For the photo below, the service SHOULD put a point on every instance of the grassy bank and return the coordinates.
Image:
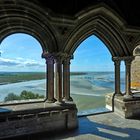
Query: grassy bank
(14, 77)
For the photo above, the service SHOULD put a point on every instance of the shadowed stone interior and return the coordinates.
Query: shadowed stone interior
(60, 26)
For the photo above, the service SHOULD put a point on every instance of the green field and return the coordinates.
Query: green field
(14, 77)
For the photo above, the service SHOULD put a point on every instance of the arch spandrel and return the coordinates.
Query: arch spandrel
(104, 27)
(25, 17)
(136, 51)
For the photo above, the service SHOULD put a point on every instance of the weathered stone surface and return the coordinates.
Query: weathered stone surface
(72, 121)
(126, 109)
(21, 122)
(135, 70)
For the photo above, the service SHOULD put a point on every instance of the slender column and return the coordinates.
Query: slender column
(49, 77)
(117, 75)
(58, 79)
(128, 61)
(66, 79)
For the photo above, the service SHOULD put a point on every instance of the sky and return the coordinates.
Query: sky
(21, 52)
(92, 55)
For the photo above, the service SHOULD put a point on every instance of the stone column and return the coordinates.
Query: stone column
(128, 61)
(66, 79)
(49, 76)
(58, 78)
(117, 61)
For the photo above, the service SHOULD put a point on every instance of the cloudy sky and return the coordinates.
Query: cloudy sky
(22, 52)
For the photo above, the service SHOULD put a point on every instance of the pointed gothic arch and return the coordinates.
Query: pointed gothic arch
(102, 22)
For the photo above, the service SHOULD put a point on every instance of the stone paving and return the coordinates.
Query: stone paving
(107, 126)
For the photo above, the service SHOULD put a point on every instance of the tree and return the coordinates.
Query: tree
(11, 97)
(23, 96)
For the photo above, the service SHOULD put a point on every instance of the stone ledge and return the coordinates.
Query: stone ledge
(126, 109)
(34, 120)
(34, 107)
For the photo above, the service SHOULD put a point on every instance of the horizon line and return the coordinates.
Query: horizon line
(62, 72)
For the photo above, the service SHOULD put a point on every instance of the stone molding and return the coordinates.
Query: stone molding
(58, 32)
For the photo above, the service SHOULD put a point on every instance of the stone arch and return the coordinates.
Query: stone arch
(25, 17)
(103, 23)
(136, 51)
(136, 44)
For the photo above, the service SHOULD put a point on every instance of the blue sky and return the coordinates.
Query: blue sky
(22, 52)
(92, 55)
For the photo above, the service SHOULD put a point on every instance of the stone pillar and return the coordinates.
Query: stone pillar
(128, 61)
(117, 61)
(49, 76)
(58, 78)
(66, 79)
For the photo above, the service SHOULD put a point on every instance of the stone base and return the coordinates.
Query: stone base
(124, 108)
(34, 120)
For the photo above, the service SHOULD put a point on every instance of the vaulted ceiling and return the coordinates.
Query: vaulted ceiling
(127, 9)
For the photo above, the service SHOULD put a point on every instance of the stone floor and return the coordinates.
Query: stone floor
(107, 126)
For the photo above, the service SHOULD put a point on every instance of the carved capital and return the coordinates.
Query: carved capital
(61, 57)
(49, 57)
(116, 60)
(67, 59)
(128, 60)
(58, 57)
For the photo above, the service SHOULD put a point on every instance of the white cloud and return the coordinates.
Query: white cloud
(20, 58)
(32, 63)
(8, 62)
(20, 62)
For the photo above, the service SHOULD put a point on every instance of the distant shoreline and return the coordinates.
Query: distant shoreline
(16, 77)
(78, 73)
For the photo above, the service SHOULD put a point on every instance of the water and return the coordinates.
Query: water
(16, 88)
(88, 90)
(102, 79)
(92, 111)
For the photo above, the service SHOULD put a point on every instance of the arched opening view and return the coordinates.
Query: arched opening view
(92, 76)
(22, 70)
(135, 70)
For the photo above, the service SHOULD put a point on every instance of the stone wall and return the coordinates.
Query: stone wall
(16, 123)
(125, 109)
(135, 70)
